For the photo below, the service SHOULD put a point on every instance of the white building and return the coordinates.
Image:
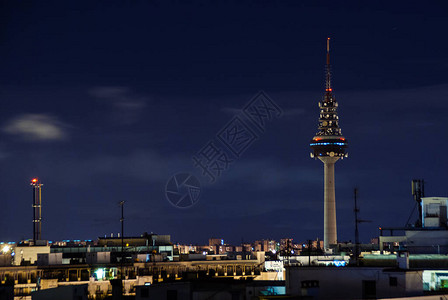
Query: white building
(353, 282)
(432, 237)
(28, 253)
(434, 212)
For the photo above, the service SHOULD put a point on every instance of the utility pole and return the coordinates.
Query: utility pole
(356, 210)
(122, 235)
(357, 221)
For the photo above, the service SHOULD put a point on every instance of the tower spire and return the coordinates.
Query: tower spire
(328, 69)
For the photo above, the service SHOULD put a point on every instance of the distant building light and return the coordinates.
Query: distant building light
(339, 263)
(99, 274)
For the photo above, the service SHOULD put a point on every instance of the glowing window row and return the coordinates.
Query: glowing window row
(325, 144)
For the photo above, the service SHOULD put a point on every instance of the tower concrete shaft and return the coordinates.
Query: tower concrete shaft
(330, 229)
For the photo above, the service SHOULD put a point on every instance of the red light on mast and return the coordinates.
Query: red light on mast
(34, 180)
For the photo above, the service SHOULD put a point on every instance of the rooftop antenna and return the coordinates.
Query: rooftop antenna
(418, 191)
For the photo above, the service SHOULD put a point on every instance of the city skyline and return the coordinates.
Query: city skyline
(104, 103)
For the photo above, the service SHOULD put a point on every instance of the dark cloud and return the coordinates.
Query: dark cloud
(127, 107)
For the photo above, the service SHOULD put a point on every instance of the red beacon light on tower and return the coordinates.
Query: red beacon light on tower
(34, 181)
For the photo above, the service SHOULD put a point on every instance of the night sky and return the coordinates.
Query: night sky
(104, 101)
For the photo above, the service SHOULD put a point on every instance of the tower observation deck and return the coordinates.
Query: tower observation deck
(328, 145)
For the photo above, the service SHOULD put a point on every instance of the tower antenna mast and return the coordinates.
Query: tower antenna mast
(328, 69)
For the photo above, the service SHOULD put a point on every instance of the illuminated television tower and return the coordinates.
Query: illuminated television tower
(328, 145)
(37, 209)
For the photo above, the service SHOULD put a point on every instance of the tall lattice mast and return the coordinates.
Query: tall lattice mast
(37, 209)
